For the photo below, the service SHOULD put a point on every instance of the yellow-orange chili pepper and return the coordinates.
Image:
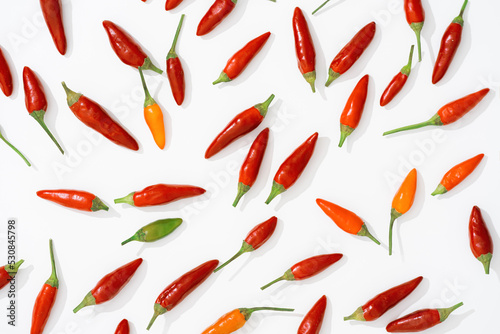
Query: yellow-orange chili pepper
(403, 200)
(153, 116)
(234, 320)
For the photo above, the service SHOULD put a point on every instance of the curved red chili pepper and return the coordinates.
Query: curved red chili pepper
(110, 285)
(94, 116)
(420, 320)
(8, 272)
(311, 324)
(415, 16)
(239, 61)
(76, 199)
(255, 238)
(449, 45)
(5, 76)
(351, 52)
(307, 268)
(175, 72)
(52, 14)
(171, 4)
(45, 299)
(215, 14)
(457, 174)
(291, 169)
(127, 49)
(481, 244)
(160, 194)
(304, 47)
(181, 288)
(381, 303)
(123, 327)
(397, 83)
(353, 109)
(240, 125)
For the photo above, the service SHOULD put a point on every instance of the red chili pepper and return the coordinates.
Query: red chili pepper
(255, 238)
(449, 45)
(181, 288)
(415, 16)
(175, 72)
(51, 10)
(123, 327)
(250, 168)
(240, 125)
(307, 268)
(304, 47)
(215, 14)
(94, 116)
(353, 109)
(351, 52)
(36, 103)
(15, 149)
(127, 49)
(420, 320)
(171, 4)
(239, 61)
(45, 299)
(110, 285)
(291, 169)
(449, 113)
(381, 303)
(481, 244)
(76, 199)
(160, 194)
(5, 76)
(311, 324)
(397, 82)
(457, 174)
(8, 272)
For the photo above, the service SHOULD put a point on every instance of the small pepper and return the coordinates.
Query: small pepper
(481, 244)
(15, 149)
(153, 116)
(457, 174)
(171, 4)
(5, 76)
(255, 238)
(397, 83)
(8, 272)
(160, 194)
(415, 16)
(123, 327)
(155, 230)
(75, 199)
(215, 14)
(304, 47)
(353, 109)
(52, 13)
(311, 324)
(175, 72)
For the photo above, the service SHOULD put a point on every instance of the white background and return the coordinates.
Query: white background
(430, 240)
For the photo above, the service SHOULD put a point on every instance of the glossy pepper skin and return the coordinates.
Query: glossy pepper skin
(5, 76)
(52, 13)
(457, 174)
(250, 167)
(415, 16)
(123, 327)
(75, 199)
(240, 60)
(240, 125)
(45, 299)
(449, 113)
(179, 289)
(175, 72)
(153, 115)
(36, 103)
(307, 268)
(348, 221)
(234, 320)
(160, 194)
(381, 303)
(255, 238)
(403, 200)
(304, 47)
(171, 4)
(481, 244)
(110, 285)
(449, 45)
(311, 324)
(353, 110)
(8, 272)
(420, 320)
(155, 230)
(291, 169)
(351, 52)
(127, 49)
(397, 83)
(215, 14)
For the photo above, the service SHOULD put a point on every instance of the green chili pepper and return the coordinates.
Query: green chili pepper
(155, 230)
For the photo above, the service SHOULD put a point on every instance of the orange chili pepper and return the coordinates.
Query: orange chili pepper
(403, 200)
(348, 221)
(457, 174)
(234, 320)
(153, 116)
